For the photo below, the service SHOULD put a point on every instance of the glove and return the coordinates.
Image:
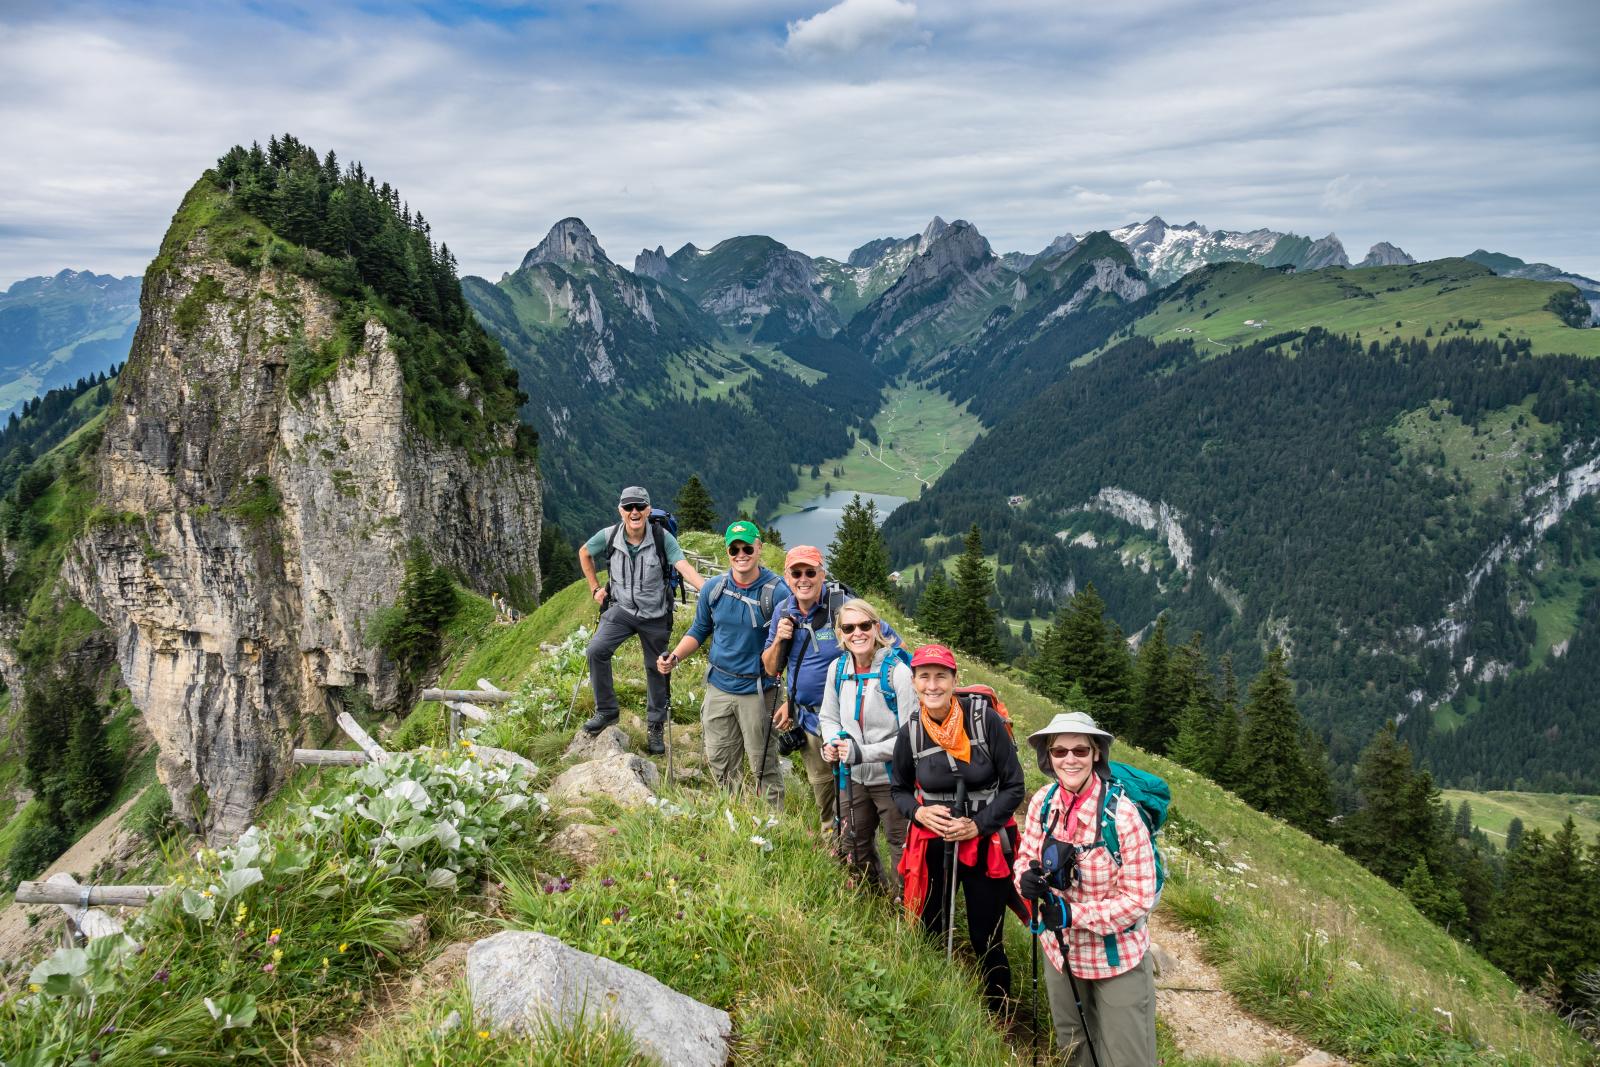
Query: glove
(1056, 913)
(1032, 884)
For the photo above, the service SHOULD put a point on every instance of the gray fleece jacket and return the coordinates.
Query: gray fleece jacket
(859, 709)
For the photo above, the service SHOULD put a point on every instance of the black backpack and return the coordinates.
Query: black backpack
(662, 522)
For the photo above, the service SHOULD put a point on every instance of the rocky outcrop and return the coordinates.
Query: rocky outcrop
(246, 535)
(1159, 517)
(1327, 252)
(1384, 254)
(953, 273)
(568, 244)
(520, 981)
(654, 265)
(1109, 276)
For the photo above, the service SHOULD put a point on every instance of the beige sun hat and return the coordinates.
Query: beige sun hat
(1070, 722)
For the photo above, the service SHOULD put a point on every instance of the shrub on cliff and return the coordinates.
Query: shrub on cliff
(411, 631)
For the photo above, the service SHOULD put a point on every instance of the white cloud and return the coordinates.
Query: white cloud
(851, 25)
(1345, 193)
(1028, 118)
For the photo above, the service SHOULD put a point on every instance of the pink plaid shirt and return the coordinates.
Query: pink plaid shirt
(1109, 899)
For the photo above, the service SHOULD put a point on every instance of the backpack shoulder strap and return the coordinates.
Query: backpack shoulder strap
(1109, 836)
(768, 593)
(611, 541)
(661, 550)
(713, 590)
(838, 675)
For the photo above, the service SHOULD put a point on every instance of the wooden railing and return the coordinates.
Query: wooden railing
(78, 902)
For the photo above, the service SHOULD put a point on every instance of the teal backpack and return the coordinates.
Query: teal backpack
(897, 654)
(1151, 797)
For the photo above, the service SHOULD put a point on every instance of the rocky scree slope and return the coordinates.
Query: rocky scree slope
(247, 532)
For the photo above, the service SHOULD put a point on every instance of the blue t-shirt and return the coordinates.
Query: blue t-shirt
(820, 648)
(738, 633)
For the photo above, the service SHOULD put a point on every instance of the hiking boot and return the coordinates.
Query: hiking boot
(599, 721)
(656, 745)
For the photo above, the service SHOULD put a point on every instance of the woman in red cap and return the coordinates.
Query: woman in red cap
(957, 778)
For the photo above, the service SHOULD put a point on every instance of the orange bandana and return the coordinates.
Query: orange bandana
(950, 734)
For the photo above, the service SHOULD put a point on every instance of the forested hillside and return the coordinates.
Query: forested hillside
(1370, 507)
(631, 382)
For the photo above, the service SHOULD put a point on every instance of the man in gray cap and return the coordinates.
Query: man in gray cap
(638, 556)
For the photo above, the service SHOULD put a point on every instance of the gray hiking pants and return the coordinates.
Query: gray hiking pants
(737, 728)
(1121, 1012)
(616, 626)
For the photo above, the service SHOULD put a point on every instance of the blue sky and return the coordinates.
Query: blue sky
(1440, 126)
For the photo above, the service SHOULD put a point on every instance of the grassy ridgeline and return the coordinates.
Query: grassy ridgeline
(1303, 935)
(748, 915)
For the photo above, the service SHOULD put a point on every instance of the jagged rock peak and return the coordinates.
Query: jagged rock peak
(653, 264)
(569, 241)
(1384, 254)
(932, 232)
(871, 253)
(1328, 252)
(1060, 246)
(958, 240)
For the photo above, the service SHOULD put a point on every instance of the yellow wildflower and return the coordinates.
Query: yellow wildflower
(324, 963)
(277, 931)
(483, 1035)
(277, 955)
(34, 987)
(343, 945)
(606, 921)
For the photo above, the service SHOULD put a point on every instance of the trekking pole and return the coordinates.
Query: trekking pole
(841, 778)
(1033, 967)
(952, 855)
(1077, 998)
(783, 698)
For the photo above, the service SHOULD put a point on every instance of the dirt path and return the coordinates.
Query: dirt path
(106, 841)
(1205, 1020)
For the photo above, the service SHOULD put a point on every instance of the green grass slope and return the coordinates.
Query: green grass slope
(1303, 935)
(1215, 306)
(1493, 811)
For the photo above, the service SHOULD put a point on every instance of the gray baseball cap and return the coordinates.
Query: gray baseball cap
(634, 494)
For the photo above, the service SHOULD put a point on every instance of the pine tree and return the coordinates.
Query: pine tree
(1545, 917)
(1082, 649)
(974, 620)
(1194, 746)
(1153, 720)
(88, 770)
(1462, 824)
(694, 507)
(936, 609)
(1273, 775)
(771, 536)
(1438, 902)
(1514, 831)
(1225, 727)
(1394, 825)
(858, 557)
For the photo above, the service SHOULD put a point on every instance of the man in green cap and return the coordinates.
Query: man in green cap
(734, 609)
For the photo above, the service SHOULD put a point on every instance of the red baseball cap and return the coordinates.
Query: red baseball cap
(934, 656)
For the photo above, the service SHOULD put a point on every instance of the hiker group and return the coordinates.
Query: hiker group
(795, 662)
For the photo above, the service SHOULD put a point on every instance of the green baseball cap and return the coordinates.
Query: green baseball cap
(743, 530)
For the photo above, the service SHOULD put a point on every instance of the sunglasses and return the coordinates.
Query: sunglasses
(807, 572)
(631, 508)
(741, 548)
(1080, 751)
(848, 628)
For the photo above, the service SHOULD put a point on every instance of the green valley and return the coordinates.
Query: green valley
(1492, 812)
(1233, 304)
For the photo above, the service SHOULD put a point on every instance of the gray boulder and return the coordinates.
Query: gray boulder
(625, 779)
(607, 742)
(582, 843)
(518, 979)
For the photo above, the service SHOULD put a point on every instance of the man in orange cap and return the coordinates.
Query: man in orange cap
(801, 640)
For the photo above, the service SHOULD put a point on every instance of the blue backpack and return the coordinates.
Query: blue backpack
(1151, 797)
(897, 654)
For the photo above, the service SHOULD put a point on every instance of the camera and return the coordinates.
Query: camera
(791, 740)
(1058, 862)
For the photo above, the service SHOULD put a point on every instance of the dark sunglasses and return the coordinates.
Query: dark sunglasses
(848, 628)
(631, 508)
(741, 548)
(1080, 751)
(806, 573)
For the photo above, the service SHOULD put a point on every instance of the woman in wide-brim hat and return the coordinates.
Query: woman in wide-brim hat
(958, 746)
(1094, 933)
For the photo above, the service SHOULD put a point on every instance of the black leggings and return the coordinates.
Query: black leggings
(987, 899)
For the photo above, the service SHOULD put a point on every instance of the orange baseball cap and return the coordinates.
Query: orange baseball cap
(803, 554)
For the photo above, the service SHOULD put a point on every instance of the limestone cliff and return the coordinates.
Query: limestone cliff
(247, 531)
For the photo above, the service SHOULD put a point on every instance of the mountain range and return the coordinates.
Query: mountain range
(57, 329)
